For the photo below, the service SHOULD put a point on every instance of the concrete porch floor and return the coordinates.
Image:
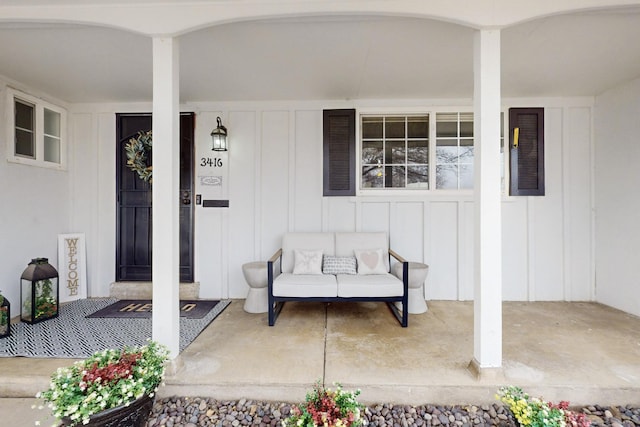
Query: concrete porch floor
(582, 352)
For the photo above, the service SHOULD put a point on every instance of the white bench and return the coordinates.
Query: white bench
(336, 276)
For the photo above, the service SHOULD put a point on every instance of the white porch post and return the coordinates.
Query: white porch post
(487, 349)
(166, 168)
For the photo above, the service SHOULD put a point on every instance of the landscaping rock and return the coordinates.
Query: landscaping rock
(196, 412)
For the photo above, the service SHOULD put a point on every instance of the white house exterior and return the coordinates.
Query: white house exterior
(578, 242)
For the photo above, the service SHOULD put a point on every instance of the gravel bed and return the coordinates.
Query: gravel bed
(195, 412)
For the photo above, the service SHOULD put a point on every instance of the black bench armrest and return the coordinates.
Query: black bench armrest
(404, 316)
(274, 309)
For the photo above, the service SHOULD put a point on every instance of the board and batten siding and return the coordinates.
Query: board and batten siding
(34, 202)
(617, 126)
(273, 181)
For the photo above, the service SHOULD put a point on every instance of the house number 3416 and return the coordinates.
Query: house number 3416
(212, 163)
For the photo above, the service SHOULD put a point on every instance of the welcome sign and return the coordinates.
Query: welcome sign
(72, 267)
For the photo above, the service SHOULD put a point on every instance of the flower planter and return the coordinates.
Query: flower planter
(134, 415)
(79, 393)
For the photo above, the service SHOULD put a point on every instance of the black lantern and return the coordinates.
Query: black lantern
(5, 317)
(219, 137)
(39, 291)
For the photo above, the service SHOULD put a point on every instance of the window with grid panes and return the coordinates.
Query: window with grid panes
(454, 151)
(395, 151)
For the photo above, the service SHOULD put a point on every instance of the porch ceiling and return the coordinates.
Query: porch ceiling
(327, 58)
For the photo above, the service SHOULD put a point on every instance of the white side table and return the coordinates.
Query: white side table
(255, 273)
(417, 275)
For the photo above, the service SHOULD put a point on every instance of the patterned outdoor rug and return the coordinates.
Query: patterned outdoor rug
(73, 335)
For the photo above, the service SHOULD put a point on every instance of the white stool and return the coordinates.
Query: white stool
(255, 273)
(417, 275)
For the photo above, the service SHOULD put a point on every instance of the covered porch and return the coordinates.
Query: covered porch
(585, 353)
(483, 245)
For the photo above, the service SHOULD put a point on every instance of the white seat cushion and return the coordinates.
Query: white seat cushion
(371, 285)
(305, 285)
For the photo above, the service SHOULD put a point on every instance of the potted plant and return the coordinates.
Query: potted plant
(327, 408)
(108, 385)
(535, 412)
(5, 317)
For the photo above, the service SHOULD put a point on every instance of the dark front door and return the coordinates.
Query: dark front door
(133, 216)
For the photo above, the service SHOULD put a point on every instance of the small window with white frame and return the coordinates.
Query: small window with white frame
(37, 129)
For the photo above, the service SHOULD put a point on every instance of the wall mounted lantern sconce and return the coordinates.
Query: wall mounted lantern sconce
(219, 137)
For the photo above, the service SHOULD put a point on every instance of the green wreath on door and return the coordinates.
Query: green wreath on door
(138, 151)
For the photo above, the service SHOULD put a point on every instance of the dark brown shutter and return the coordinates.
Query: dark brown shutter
(339, 152)
(527, 152)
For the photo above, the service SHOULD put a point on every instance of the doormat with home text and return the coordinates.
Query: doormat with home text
(142, 309)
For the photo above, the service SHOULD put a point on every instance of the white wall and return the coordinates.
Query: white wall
(272, 176)
(547, 241)
(617, 175)
(34, 209)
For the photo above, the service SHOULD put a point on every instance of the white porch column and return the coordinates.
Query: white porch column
(166, 168)
(487, 349)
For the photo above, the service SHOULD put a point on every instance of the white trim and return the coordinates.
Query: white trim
(592, 206)
(257, 181)
(427, 242)
(531, 249)
(291, 189)
(368, 106)
(460, 255)
(565, 183)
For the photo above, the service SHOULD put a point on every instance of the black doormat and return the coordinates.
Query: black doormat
(141, 309)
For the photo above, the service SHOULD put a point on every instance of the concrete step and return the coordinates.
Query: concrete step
(144, 290)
